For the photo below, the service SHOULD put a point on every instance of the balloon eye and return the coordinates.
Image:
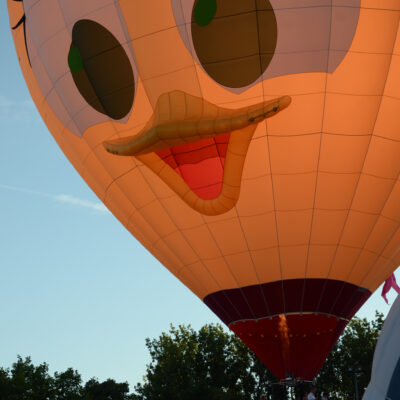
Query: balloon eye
(204, 11)
(234, 40)
(101, 69)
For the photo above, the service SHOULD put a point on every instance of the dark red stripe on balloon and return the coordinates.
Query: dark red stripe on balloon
(327, 296)
(298, 352)
(290, 325)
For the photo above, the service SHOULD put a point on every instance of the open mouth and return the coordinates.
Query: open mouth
(200, 164)
(198, 148)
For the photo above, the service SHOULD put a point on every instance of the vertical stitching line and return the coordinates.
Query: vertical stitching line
(318, 165)
(361, 171)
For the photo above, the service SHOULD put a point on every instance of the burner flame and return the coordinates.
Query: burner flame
(285, 341)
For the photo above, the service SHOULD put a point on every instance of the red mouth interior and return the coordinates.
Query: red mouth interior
(200, 164)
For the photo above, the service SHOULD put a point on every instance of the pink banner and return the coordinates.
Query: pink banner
(390, 283)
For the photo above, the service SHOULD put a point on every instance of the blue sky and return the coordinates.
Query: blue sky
(76, 289)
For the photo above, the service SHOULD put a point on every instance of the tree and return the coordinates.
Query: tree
(4, 384)
(67, 385)
(352, 354)
(107, 390)
(26, 382)
(212, 363)
(208, 364)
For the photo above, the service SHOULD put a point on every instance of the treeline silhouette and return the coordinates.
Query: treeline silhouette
(25, 381)
(208, 364)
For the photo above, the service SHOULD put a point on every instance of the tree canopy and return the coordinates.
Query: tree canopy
(210, 363)
(214, 364)
(353, 354)
(25, 381)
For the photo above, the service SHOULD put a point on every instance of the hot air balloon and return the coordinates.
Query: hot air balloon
(252, 146)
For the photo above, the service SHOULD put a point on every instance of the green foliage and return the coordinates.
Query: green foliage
(107, 390)
(352, 354)
(24, 381)
(206, 364)
(213, 364)
(67, 385)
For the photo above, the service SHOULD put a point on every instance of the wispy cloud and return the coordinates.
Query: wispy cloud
(17, 110)
(60, 198)
(5, 103)
(67, 199)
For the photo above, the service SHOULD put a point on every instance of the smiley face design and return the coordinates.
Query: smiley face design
(87, 60)
(252, 146)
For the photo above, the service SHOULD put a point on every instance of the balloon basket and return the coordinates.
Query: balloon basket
(293, 381)
(292, 387)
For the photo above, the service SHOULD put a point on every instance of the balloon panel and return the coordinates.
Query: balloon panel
(252, 147)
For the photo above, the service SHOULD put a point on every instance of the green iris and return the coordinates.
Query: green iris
(204, 11)
(75, 60)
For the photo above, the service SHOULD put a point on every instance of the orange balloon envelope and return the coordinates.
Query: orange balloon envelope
(252, 146)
